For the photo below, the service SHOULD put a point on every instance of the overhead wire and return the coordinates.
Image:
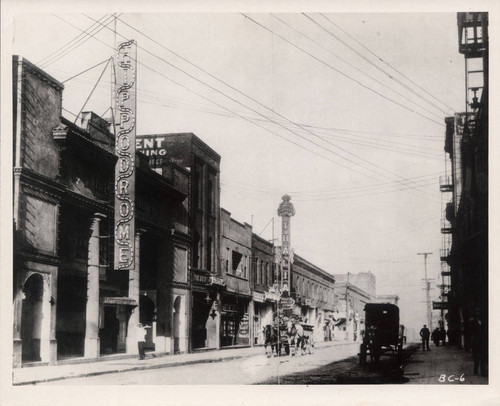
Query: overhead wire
(288, 140)
(168, 101)
(255, 111)
(339, 71)
(369, 142)
(41, 63)
(227, 109)
(89, 35)
(86, 70)
(332, 190)
(354, 67)
(388, 64)
(373, 64)
(198, 80)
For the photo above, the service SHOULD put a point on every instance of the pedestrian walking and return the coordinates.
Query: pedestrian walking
(425, 334)
(435, 336)
(479, 344)
(141, 339)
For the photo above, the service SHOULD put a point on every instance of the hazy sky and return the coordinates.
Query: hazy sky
(293, 106)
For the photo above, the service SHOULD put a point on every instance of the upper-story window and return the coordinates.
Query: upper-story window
(239, 265)
(257, 269)
(227, 259)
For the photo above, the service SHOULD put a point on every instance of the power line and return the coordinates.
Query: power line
(225, 108)
(69, 43)
(321, 61)
(211, 87)
(373, 64)
(91, 34)
(86, 70)
(346, 132)
(238, 103)
(340, 72)
(90, 95)
(255, 111)
(355, 67)
(389, 65)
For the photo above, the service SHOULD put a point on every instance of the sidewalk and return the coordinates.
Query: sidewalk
(443, 365)
(80, 369)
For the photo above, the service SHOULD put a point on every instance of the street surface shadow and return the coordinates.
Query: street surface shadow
(349, 372)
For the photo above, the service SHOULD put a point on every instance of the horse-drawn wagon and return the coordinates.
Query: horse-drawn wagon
(383, 333)
(290, 336)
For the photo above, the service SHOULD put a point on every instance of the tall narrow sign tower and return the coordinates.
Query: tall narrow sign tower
(125, 150)
(286, 211)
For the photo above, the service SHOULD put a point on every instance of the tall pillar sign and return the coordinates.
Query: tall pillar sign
(125, 150)
(286, 211)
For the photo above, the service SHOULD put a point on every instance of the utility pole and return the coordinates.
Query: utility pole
(427, 290)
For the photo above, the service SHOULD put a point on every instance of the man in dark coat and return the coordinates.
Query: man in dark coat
(479, 344)
(425, 334)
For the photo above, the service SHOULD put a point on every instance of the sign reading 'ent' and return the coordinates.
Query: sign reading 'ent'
(125, 151)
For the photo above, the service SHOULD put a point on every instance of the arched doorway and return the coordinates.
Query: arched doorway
(177, 324)
(31, 321)
(147, 309)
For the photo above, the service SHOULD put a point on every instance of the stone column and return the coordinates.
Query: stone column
(45, 353)
(218, 321)
(18, 311)
(53, 316)
(121, 315)
(133, 293)
(92, 345)
(204, 225)
(251, 313)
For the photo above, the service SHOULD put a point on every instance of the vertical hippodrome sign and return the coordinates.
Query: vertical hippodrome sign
(286, 211)
(125, 150)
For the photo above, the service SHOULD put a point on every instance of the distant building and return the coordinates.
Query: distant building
(315, 300)
(352, 301)
(236, 300)
(264, 281)
(392, 299)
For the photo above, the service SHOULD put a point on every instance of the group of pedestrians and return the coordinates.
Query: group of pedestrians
(478, 346)
(436, 336)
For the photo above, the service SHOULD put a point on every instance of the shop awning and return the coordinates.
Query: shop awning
(338, 322)
(126, 301)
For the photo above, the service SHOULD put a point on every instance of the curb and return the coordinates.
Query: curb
(156, 366)
(138, 368)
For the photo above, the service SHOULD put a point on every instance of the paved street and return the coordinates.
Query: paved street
(327, 365)
(251, 370)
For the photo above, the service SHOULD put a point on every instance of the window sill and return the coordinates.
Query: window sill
(236, 276)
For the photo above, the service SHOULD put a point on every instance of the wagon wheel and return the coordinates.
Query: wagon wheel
(362, 354)
(375, 353)
(400, 353)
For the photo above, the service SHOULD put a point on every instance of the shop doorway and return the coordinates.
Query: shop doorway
(110, 331)
(201, 311)
(228, 333)
(31, 322)
(147, 310)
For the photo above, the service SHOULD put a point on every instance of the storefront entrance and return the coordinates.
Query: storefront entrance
(235, 323)
(201, 310)
(31, 322)
(109, 333)
(147, 317)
